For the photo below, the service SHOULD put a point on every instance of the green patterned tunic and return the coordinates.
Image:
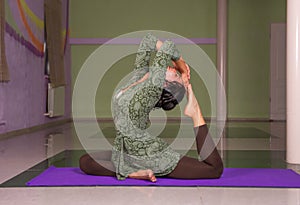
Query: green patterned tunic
(134, 148)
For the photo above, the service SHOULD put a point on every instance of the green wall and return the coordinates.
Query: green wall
(249, 55)
(110, 18)
(248, 43)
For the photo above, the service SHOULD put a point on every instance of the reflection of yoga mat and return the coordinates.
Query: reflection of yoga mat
(246, 132)
(232, 177)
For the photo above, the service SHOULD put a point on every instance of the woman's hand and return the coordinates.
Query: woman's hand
(184, 69)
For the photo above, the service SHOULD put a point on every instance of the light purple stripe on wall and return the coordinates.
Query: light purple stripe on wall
(120, 41)
(22, 40)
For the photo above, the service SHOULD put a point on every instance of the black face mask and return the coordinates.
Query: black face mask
(171, 95)
(166, 101)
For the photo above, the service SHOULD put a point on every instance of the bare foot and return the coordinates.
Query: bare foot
(192, 108)
(143, 174)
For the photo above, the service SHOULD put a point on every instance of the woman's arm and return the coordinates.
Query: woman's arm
(178, 64)
(147, 45)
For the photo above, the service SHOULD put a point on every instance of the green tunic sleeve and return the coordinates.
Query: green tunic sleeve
(145, 98)
(142, 61)
(147, 45)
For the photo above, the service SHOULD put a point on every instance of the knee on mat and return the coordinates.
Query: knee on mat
(218, 171)
(83, 163)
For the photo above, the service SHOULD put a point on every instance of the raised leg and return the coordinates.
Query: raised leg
(211, 165)
(191, 168)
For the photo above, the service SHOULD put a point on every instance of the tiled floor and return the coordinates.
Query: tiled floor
(149, 196)
(247, 144)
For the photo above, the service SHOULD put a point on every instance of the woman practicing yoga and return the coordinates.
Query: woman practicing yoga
(136, 153)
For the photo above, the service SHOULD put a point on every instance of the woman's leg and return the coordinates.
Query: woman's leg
(97, 164)
(211, 165)
(191, 168)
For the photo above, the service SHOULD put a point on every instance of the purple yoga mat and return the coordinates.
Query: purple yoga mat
(232, 177)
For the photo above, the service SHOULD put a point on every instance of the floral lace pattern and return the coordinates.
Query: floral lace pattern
(134, 148)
